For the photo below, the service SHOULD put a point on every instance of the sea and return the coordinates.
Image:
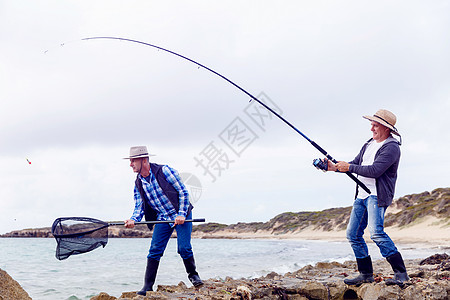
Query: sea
(120, 266)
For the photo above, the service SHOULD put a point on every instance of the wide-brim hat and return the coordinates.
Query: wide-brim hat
(385, 118)
(138, 152)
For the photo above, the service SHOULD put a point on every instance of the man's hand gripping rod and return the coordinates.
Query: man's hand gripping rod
(321, 150)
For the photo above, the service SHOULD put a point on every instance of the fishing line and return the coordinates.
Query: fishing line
(321, 150)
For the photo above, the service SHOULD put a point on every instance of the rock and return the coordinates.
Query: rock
(181, 287)
(128, 295)
(244, 292)
(435, 259)
(150, 295)
(272, 275)
(103, 296)
(314, 290)
(378, 291)
(11, 289)
(328, 265)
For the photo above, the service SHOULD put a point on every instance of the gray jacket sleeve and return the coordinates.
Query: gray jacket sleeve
(388, 155)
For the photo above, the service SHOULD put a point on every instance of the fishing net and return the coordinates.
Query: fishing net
(77, 235)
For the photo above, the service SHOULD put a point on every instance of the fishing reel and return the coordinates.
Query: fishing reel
(321, 164)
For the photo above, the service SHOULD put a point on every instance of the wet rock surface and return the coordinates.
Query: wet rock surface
(430, 279)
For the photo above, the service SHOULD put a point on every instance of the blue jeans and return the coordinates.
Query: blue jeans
(367, 212)
(162, 234)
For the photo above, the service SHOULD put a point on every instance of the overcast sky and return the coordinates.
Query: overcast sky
(73, 108)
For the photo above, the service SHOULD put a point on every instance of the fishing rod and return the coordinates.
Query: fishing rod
(321, 150)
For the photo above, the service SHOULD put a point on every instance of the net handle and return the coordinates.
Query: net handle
(155, 222)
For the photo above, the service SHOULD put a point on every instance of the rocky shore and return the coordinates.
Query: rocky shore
(430, 279)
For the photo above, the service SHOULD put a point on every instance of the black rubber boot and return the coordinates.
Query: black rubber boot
(193, 276)
(365, 272)
(398, 265)
(150, 276)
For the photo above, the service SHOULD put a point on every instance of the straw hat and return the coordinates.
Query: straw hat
(385, 118)
(138, 152)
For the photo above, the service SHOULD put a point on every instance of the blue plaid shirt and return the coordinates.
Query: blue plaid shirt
(158, 200)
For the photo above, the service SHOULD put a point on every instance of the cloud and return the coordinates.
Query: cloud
(75, 107)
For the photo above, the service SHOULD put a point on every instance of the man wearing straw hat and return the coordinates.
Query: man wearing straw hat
(376, 166)
(159, 194)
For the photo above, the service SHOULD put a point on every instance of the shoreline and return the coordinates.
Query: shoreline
(428, 233)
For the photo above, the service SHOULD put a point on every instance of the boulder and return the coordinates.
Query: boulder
(11, 289)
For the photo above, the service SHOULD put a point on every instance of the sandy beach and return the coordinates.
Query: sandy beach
(429, 231)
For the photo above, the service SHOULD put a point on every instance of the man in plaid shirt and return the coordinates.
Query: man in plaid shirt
(159, 194)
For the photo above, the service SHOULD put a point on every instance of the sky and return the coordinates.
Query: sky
(72, 108)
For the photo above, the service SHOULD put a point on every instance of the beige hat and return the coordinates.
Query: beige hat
(138, 152)
(385, 118)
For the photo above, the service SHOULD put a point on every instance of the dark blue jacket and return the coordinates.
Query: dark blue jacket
(384, 169)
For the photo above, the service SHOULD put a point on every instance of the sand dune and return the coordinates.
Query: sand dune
(428, 231)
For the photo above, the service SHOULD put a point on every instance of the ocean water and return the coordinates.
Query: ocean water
(120, 266)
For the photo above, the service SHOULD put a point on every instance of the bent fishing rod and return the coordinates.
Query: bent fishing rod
(321, 150)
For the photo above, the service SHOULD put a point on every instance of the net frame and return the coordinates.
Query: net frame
(73, 238)
(77, 235)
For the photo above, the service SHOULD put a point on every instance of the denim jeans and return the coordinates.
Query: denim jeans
(162, 234)
(367, 212)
